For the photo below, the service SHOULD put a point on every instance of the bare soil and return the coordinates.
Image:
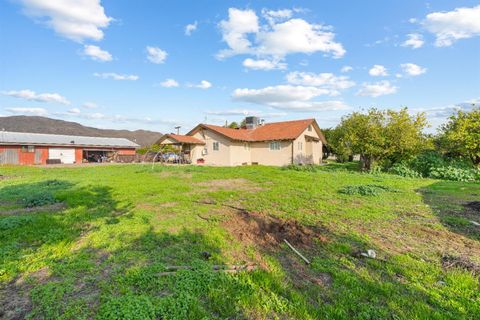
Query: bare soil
(462, 262)
(50, 208)
(473, 206)
(229, 184)
(258, 229)
(15, 300)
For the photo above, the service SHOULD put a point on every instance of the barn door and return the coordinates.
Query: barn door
(9, 156)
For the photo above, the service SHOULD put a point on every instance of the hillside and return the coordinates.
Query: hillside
(53, 126)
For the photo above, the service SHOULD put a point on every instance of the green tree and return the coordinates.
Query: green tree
(233, 125)
(380, 136)
(461, 135)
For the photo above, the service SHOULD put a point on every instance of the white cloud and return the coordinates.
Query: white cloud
(72, 19)
(377, 89)
(90, 105)
(74, 111)
(327, 81)
(279, 37)
(235, 30)
(245, 112)
(96, 53)
(156, 55)
(264, 64)
(298, 36)
(412, 69)
(204, 84)
(234, 112)
(414, 41)
(169, 83)
(273, 16)
(448, 27)
(378, 71)
(40, 97)
(191, 27)
(116, 76)
(28, 111)
(346, 69)
(288, 97)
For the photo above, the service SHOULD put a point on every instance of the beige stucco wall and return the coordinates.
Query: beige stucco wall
(240, 153)
(220, 157)
(307, 152)
(262, 154)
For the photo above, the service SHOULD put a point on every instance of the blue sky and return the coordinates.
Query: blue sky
(157, 64)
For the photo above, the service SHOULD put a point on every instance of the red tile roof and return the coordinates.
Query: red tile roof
(181, 139)
(286, 130)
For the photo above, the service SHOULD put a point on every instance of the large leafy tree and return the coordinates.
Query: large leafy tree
(461, 134)
(379, 135)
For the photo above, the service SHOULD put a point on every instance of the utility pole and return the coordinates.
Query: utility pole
(178, 129)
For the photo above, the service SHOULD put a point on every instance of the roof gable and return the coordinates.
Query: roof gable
(180, 139)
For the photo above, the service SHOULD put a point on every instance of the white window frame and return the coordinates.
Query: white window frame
(309, 127)
(275, 145)
(300, 145)
(216, 146)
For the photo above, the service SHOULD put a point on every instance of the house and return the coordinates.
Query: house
(34, 148)
(276, 144)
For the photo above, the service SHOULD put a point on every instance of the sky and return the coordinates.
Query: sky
(158, 64)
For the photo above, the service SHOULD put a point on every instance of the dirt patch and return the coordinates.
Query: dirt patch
(53, 208)
(473, 206)
(229, 184)
(267, 231)
(169, 174)
(461, 262)
(15, 300)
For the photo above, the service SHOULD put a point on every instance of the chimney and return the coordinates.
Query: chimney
(252, 122)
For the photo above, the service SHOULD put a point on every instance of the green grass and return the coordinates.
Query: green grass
(99, 254)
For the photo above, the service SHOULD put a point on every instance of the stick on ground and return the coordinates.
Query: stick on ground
(297, 252)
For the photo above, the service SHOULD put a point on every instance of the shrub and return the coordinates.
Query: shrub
(454, 173)
(402, 169)
(38, 199)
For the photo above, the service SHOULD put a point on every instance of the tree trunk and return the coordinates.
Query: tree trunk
(366, 162)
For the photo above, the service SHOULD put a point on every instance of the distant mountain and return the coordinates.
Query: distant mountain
(53, 126)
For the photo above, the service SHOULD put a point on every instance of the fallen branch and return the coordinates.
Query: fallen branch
(297, 252)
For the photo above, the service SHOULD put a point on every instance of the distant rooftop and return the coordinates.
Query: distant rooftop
(22, 138)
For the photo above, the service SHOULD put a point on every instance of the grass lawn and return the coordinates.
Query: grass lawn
(94, 242)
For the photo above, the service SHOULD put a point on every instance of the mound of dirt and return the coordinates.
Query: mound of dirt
(473, 205)
(462, 262)
(267, 231)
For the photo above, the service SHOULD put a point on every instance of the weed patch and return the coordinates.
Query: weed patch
(366, 190)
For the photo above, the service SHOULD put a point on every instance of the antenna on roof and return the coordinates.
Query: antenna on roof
(178, 129)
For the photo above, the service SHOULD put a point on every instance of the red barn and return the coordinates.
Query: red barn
(35, 148)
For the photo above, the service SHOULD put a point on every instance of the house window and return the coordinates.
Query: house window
(246, 146)
(309, 127)
(216, 146)
(300, 145)
(275, 145)
(28, 149)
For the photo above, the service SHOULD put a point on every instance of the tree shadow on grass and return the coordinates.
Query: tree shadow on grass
(451, 202)
(32, 241)
(346, 166)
